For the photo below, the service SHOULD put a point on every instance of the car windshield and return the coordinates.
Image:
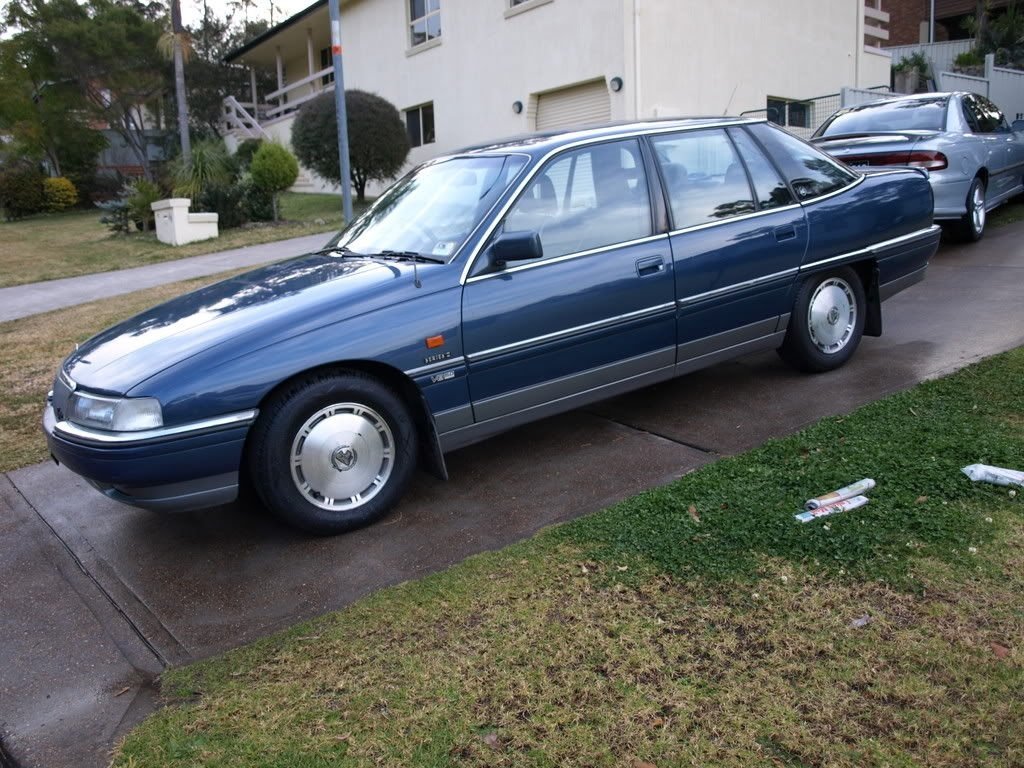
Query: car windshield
(433, 210)
(896, 115)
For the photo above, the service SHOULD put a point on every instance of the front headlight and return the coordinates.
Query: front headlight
(114, 414)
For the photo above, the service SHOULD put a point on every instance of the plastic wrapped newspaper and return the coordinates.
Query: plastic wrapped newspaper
(831, 509)
(983, 473)
(855, 489)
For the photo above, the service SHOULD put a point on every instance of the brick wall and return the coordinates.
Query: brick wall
(905, 17)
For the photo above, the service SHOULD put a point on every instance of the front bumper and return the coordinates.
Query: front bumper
(179, 468)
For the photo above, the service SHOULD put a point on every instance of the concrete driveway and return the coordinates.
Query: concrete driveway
(98, 598)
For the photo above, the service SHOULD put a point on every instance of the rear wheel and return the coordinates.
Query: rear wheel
(827, 322)
(971, 227)
(332, 452)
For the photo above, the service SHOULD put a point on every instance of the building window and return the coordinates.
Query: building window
(326, 60)
(424, 21)
(419, 122)
(786, 112)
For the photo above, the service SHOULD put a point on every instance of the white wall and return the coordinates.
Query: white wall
(727, 56)
(484, 61)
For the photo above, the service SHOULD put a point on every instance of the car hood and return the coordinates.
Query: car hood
(240, 314)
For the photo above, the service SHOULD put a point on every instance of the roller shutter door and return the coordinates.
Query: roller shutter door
(580, 105)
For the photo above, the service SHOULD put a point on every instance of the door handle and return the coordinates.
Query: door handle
(787, 232)
(650, 266)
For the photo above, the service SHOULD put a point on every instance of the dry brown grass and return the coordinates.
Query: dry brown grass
(48, 247)
(33, 348)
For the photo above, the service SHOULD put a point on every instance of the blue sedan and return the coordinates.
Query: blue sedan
(974, 157)
(484, 290)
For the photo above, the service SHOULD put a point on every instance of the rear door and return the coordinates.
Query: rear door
(596, 309)
(738, 237)
(991, 131)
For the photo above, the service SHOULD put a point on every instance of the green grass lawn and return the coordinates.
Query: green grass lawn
(695, 624)
(47, 247)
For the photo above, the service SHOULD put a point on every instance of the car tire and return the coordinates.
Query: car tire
(971, 228)
(331, 452)
(827, 321)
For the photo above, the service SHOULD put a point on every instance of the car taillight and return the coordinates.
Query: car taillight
(933, 161)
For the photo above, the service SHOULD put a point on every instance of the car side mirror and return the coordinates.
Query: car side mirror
(516, 246)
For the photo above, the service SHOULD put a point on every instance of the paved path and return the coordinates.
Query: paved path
(97, 598)
(24, 300)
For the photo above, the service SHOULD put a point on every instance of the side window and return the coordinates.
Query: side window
(810, 172)
(769, 187)
(703, 176)
(992, 120)
(588, 198)
(970, 115)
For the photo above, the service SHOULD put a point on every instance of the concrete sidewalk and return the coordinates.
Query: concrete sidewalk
(34, 298)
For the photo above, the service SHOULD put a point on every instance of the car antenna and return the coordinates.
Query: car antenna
(416, 274)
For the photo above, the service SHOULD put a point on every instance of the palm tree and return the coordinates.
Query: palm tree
(176, 45)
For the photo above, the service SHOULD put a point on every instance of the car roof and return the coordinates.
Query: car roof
(543, 141)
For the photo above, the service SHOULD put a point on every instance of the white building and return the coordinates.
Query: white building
(464, 71)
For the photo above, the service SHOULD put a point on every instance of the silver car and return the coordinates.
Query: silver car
(974, 158)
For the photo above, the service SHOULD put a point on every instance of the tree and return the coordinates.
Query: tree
(107, 50)
(274, 169)
(45, 119)
(175, 46)
(210, 80)
(378, 143)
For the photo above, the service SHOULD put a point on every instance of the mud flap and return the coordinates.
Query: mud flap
(873, 311)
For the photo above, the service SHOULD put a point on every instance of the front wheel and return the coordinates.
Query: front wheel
(332, 452)
(827, 322)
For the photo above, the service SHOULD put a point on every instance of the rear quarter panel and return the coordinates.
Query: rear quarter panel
(884, 205)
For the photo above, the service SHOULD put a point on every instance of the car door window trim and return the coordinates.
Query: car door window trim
(539, 165)
(567, 257)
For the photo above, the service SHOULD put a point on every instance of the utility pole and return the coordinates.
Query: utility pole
(339, 108)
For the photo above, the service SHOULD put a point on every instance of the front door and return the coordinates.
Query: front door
(595, 311)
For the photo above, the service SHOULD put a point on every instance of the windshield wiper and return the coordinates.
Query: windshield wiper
(410, 256)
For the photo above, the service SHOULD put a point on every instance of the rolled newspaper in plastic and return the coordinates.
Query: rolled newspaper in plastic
(831, 509)
(856, 489)
(997, 475)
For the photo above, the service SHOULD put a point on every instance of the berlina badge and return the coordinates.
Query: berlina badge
(439, 356)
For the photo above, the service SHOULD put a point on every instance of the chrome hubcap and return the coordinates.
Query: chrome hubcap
(978, 208)
(342, 456)
(832, 315)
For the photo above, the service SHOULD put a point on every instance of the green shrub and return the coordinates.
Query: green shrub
(211, 165)
(257, 202)
(274, 169)
(59, 194)
(21, 191)
(118, 217)
(228, 203)
(969, 59)
(245, 152)
(140, 194)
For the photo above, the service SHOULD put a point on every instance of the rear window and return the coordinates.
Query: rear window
(810, 172)
(896, 115)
